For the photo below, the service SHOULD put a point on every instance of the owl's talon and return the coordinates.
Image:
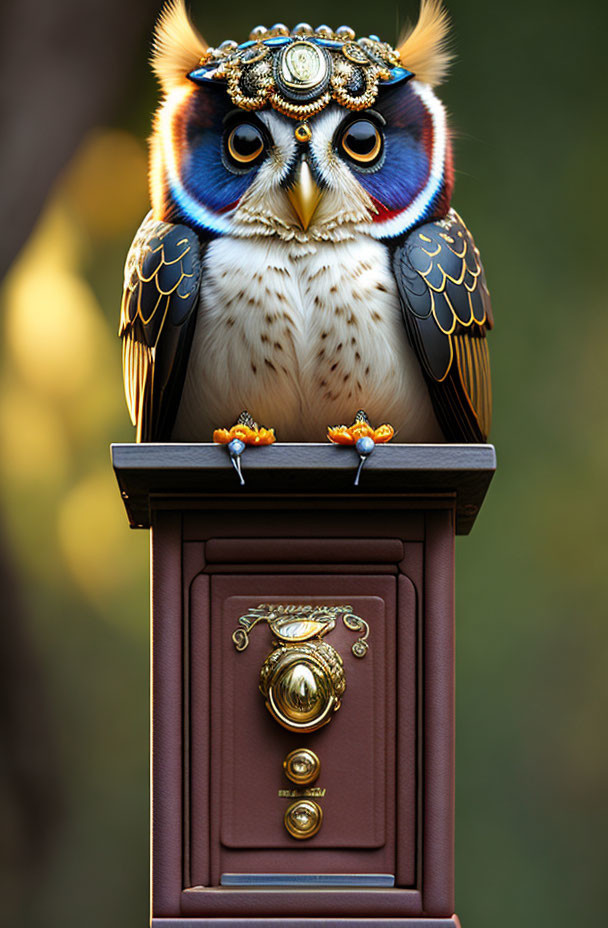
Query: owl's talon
(244, 432)
(362, 436)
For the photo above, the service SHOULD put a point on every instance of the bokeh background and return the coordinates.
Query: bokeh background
(527, 102)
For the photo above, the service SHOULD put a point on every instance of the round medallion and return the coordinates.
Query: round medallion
(302, 685)
(254, 53)
(302, 69)
(301, 694)
(303, 818)
(355, 53)
(302, 766)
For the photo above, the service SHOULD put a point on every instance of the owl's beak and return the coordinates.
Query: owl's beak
(304, 195)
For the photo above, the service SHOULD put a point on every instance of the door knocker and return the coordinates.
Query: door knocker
(302, 680)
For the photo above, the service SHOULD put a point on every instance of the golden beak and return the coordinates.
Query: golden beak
(304, 196)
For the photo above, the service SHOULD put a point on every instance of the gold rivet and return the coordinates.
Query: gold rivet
(303, 132)
(303, 818)
(302, 766)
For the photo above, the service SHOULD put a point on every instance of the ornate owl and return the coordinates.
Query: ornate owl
(301, 259)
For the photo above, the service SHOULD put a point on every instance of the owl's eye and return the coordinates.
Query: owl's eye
(361, 141)
(245, 143)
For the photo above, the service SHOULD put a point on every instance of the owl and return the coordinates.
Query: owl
(301, 259)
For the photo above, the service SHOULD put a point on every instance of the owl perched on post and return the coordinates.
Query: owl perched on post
(301, 259)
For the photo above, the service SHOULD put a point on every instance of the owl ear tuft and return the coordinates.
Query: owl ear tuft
(424, 47)
(177, 46)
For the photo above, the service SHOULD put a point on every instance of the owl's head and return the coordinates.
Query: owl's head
(304, 134)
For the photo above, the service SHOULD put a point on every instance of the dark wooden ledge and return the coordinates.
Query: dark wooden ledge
(156, 474)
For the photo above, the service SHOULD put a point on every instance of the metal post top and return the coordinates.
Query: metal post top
(152, 474)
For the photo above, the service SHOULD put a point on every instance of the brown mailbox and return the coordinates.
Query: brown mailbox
(303, 680)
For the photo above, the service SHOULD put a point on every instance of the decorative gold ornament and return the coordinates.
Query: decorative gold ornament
(290, 623)
(300, 72)
(357, 624)
(303, 818)
(302, 66)
(314, 792)
(302, 766)
(303, 132)
(303, 685)
(302, 680)
(355, 53)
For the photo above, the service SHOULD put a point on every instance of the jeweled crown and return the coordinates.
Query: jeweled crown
(300, 72)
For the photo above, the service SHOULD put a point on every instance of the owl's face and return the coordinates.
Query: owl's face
(230, 170)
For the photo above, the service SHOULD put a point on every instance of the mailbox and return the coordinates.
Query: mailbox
(303, 680)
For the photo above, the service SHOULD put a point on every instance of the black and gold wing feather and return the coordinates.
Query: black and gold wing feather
(447, 310)
(157, 317)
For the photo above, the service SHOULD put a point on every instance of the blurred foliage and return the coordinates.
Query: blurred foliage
(526, 103)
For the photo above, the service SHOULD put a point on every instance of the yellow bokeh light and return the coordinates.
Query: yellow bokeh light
(33, 447)
(54, 329)
(54, 242)
(93, 535)
(107, 186)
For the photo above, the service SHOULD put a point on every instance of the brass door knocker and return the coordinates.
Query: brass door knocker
(302, 680)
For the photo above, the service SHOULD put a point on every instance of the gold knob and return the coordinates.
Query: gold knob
(303, 818)
(302, 766)
(303, 684)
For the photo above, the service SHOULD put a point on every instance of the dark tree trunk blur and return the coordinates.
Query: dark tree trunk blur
(63, 65)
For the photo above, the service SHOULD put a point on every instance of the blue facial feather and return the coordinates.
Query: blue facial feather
(406, 163)
(205, 179)
(408, 185)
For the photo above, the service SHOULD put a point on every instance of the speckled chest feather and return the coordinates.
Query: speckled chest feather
(299, 333)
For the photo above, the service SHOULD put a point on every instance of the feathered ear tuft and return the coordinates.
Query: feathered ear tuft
(423, 48)
(177, 47)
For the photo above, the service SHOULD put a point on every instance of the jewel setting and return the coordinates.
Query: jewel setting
(299, 73)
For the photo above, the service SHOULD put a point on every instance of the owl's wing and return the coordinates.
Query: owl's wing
(157, 316)
(446, 308)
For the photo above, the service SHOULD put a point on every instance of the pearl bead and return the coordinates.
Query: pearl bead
(365, 445)
(236, 447)
(260, 32)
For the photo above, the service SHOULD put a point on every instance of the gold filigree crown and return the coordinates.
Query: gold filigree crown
(300, 72)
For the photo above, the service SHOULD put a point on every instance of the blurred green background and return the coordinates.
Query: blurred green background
(527, 104)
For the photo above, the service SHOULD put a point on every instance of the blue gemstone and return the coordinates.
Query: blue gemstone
(278, 40)
(236, 447)
(202, 74)
(365, 445)
(326, 43)
(374, 38)
(398, 74)
(247, 44)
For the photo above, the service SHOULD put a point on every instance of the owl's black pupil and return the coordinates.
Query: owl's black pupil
(361, 137)
(246, 140)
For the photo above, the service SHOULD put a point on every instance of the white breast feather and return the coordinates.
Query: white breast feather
(301, 337)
